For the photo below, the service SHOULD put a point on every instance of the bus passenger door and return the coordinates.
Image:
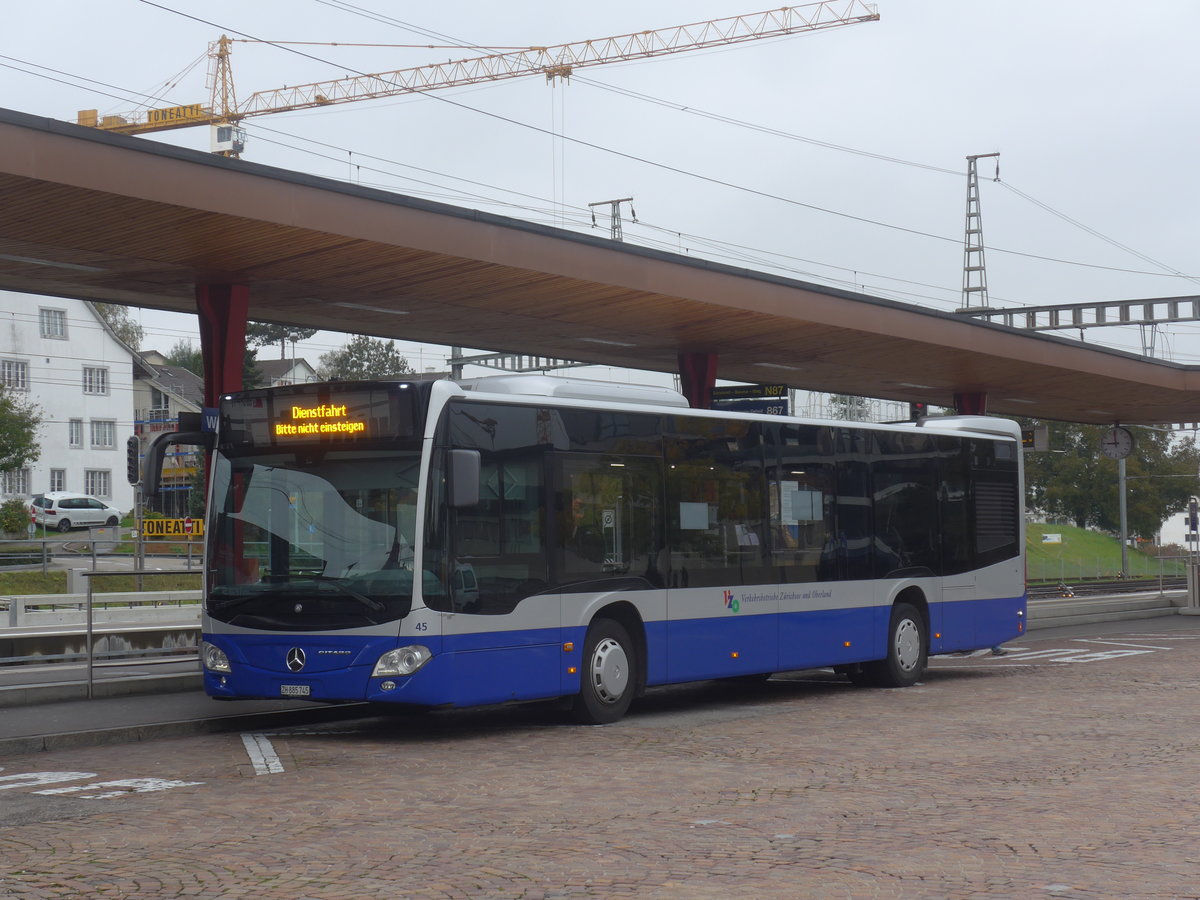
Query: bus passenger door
(607, 544)
(723, 594)
(955, 615)
(504, 641)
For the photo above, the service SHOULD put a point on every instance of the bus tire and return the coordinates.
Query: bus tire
(609, 675)
(907, 649)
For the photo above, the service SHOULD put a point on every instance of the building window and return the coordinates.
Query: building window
(75, 432)
(95, 380)
(53, 323)
(58, 479)
(160, 404)
(104, 433)
(15, 481)
(97, 482)
(14, 373)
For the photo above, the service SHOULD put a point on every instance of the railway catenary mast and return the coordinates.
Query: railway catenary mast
(556, 61)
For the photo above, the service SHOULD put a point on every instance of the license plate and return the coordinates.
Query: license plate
(294, 690)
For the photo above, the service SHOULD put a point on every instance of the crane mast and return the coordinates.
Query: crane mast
(556, 61)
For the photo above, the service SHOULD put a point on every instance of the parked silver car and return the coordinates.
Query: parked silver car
(63, 511)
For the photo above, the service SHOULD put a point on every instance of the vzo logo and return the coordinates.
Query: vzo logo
(731, 602)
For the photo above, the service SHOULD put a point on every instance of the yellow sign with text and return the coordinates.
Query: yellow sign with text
(176, 529)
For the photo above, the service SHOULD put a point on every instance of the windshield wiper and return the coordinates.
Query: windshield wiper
(290, 583)
(334, 581)
(231, 602)
(369, 603)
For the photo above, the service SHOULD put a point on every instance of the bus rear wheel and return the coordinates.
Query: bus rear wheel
(907, 651)
(609, 677)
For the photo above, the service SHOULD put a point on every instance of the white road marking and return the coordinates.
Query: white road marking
(1121, 644)
(262, 754)
(123, 786)
(36, 779)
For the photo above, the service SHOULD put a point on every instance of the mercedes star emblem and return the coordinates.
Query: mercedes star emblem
(295, 659)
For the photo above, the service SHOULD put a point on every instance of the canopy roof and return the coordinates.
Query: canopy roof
(126, 220)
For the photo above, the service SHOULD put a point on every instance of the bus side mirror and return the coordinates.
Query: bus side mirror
(157, 451)
(464, 478)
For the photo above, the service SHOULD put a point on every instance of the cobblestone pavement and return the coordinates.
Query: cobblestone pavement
(1066, 769)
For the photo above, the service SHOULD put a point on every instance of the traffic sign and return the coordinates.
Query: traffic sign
(172, 528)
(748, 391)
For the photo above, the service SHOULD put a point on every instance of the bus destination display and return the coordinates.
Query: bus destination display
(316, 414)
(323, 419)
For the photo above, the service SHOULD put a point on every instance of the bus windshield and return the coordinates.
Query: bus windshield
(313, 539)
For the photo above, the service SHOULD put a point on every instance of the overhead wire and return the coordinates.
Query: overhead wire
(665, 166)
(335, 4)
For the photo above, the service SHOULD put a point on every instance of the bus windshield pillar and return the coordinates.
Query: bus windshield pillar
(971, 403)
(698, 377)
(222, 309)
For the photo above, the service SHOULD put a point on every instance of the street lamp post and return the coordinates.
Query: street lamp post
(1124, 518)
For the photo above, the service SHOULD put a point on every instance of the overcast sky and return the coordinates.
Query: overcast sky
(836, 157)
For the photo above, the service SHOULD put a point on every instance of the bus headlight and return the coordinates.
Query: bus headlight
(403, 661)
(214, 658)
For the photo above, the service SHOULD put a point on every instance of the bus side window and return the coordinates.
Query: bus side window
(954, 491)
(716, 503)
(801, 497)
(608, 519)
(904, 486)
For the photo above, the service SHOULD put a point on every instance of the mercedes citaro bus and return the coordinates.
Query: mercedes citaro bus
(529, 537)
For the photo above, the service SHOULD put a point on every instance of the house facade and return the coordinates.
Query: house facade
(60, 355)
(285, 371)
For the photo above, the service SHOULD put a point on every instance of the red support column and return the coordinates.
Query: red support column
(697, 377)
(971, 403)
(222, 309)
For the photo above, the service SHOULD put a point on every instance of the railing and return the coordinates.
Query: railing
(1102, 569)
(102, 540)
(90, 609)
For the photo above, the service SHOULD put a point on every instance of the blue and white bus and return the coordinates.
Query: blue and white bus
(529, 537)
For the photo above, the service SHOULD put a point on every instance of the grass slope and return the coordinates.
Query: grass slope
(1086, 554)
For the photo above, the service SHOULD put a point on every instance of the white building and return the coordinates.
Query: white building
(59, 354)
(286, 371)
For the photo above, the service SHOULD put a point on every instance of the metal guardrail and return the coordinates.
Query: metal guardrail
(90, 611)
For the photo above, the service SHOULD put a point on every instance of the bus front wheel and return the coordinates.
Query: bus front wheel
(609, 677)
(907, 651)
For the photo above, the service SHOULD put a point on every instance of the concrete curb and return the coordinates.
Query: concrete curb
(62, 691)
(127, 734)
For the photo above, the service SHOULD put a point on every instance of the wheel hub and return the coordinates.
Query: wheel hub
(908, 645)
(610, 671)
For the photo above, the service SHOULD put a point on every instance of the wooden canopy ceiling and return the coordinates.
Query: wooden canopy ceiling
(125, 220)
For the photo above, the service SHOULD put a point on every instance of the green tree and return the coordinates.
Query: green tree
(363, 357)
(186, 356)
(14, 516)
(118, 319)
(19, 425)
(1076, 481)
(189, 357)
(262, 334)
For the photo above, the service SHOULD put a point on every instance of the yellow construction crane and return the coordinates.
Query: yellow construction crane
(559, 61)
